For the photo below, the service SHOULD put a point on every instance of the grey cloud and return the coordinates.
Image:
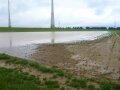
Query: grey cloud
(36, 13)
(25, 5)
(3, 8)
(101, 5)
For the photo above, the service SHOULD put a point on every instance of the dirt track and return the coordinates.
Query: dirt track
(90, 59)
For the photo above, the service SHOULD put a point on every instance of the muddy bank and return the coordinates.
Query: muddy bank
(54, 55)
(91, 59)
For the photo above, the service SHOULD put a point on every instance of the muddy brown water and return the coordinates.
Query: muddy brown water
(23, 44)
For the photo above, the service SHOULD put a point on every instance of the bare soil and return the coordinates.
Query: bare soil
(98, 58)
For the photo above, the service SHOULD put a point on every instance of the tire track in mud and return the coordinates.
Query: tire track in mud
(114, 45)
(98, 55)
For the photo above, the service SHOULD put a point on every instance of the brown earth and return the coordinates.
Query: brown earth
(98, 58)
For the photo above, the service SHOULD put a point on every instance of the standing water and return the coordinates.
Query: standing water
(23, 44)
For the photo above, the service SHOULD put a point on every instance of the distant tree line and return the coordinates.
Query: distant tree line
(98, 28)
(118, 28)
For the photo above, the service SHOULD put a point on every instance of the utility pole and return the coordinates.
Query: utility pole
(9, 17)
(52, 15)
(9, 23)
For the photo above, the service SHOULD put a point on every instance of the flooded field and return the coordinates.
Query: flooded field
(23, 44)
(89, 54)
(24, 38)
(96, 58)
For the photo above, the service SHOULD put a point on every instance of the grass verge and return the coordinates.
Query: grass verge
(20, 29)
(32, 64)
(13, 79)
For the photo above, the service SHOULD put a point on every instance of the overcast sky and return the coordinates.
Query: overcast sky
(36, 13)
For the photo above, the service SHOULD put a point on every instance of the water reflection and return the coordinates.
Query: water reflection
(24, 38)
(10, 40)
(24, 44)
(53, 38)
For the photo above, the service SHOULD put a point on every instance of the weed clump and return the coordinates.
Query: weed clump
(105, 85)
(116, 86)
(52, 84)
(4, 56)
(78, 83)
(62, 88)
(11, 79)
(91, 87)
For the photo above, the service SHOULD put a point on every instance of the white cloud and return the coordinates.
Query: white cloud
(36, 13)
